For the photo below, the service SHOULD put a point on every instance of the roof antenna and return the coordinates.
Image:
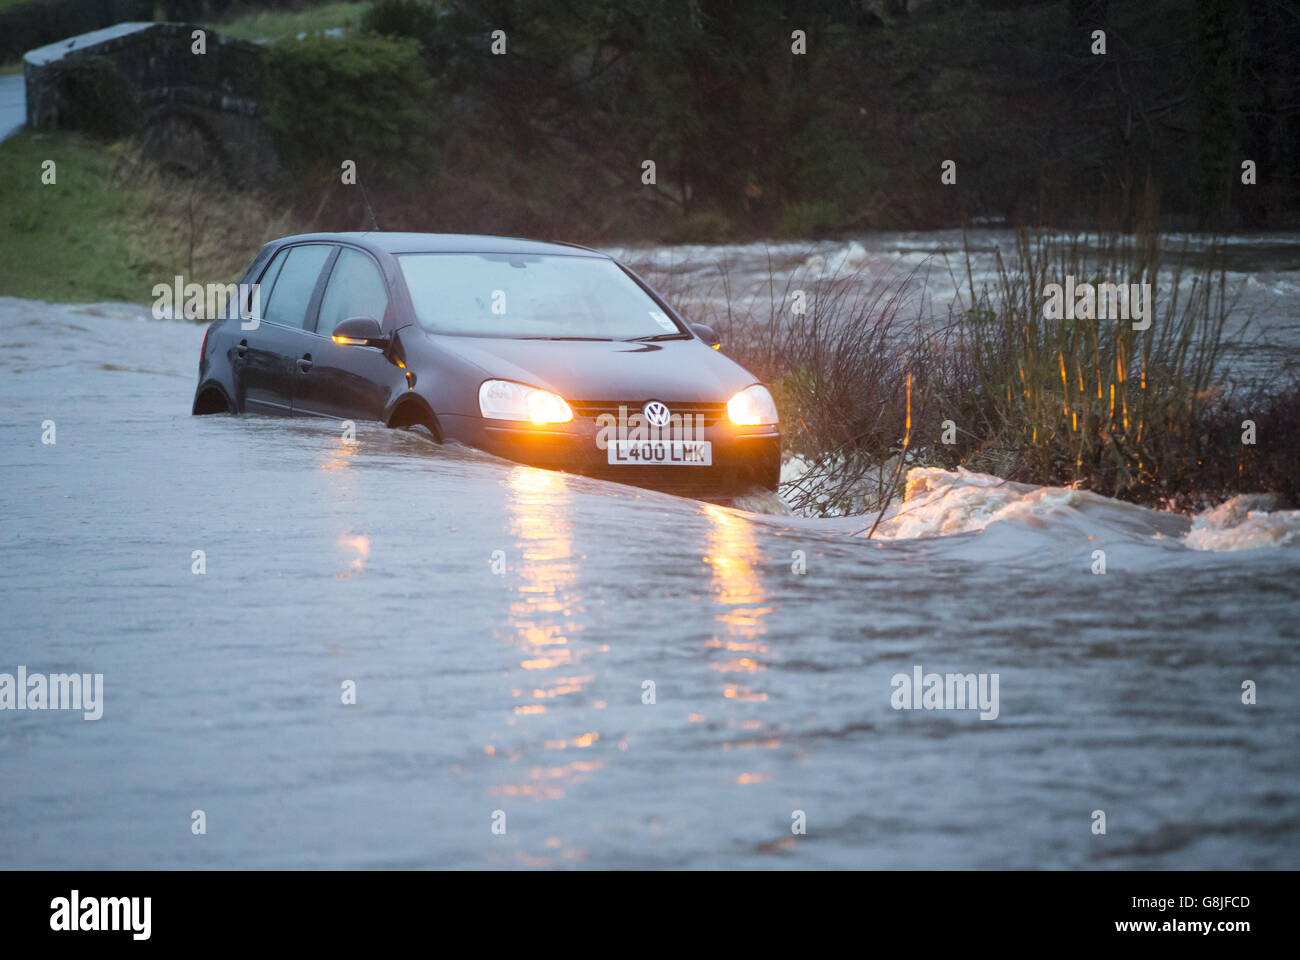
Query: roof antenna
(374, 224)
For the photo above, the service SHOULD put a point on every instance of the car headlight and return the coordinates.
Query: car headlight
(752, 407)
(507, 400)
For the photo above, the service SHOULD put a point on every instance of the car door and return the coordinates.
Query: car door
(348, 382)
(268, 354)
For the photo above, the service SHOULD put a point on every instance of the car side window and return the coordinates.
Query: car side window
(288, 299)
(255, 303)
(356, 289)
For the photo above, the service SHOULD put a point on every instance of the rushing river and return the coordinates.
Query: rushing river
(607, 676)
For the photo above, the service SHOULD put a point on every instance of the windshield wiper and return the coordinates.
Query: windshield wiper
(659, 336)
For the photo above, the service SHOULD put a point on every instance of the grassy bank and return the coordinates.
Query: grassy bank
(111, 226)
(75, 239)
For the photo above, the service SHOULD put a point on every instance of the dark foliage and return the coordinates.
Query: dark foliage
(25, 26)
(362, 100)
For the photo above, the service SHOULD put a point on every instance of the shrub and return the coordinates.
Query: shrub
(362, 98)
(401, 19)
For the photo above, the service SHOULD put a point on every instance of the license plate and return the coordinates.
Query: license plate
(668, 453)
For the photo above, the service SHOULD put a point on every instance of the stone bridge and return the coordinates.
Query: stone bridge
(199, 109)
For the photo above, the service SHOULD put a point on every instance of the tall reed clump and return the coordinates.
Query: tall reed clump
(1091, 400)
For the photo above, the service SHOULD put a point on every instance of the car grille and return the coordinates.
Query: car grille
(591, 409)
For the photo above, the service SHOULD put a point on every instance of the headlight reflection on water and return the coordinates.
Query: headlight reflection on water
(738, 590)
(544, 620)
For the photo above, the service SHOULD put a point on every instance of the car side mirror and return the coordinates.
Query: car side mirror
(707, 334)
(360, 332)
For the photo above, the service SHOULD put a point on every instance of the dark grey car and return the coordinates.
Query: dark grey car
(547, 354)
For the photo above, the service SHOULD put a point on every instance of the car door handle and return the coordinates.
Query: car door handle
(242, 348)
(304, 363)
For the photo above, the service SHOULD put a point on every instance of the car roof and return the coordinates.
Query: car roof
(446, 243)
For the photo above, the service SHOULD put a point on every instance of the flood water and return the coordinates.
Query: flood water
(504, 628)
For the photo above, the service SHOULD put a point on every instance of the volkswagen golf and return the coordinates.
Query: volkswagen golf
(548, 354)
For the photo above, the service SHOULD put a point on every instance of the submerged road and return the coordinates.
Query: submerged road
(13, 105)
(393, 653)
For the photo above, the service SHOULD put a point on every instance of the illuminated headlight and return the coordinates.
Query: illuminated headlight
(507, 400)
(752, 407)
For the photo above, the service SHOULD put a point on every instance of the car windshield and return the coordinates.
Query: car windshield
(530, 296)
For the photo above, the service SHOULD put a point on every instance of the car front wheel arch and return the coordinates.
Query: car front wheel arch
(412, 411)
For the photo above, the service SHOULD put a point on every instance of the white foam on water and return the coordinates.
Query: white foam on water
(1246, 522)
(1021, 517)
(940, 503)
(844, 261)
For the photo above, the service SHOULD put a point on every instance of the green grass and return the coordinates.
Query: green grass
(112, 225)
(280, 25)
(70, 240)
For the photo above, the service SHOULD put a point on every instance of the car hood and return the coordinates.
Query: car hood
(682, 371)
